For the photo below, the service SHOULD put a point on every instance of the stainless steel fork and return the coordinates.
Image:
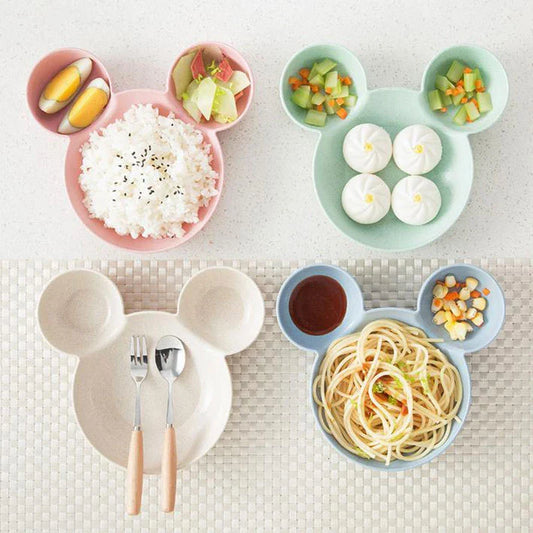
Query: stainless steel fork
(134, 479)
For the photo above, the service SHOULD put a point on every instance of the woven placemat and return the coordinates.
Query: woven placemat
(271, 470)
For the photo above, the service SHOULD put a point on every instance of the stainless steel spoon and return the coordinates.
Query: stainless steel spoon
(170, 360)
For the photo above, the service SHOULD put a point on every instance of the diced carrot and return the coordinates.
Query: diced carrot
(448, 92)
(293, 80)
(347, 80)
(342, 113)
(475, 102)
(467, 70)
(314, 88)
(304, 72)
(475, 294)
(340, 101)
(464, 100)
(468, 119)
(295, 86)
(478, 84)
(239, 95)
(443, 109)
(331, 103)
(460, 83)
(453, 295)
(328, 90)
(319, 107)
(404, 410)
(480, 90)
(486, 292)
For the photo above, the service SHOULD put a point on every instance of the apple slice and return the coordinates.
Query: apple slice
(204, 96)
(238, 81)
(192, 109)
(224, 109)
(182, 75)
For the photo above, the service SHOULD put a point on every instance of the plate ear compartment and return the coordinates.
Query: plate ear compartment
(347, 65)
(80, 311)
(494, 78)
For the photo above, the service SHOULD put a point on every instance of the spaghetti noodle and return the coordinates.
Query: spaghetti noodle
(387, 392)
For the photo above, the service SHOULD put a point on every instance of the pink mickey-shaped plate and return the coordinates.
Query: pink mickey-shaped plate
(119, 103)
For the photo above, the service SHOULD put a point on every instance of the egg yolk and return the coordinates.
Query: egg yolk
(87, 107)
(418, 148)
(63, 85)
(417, 198)
(368, 147)
(369, 198)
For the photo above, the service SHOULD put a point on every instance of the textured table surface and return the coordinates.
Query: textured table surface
(268, 158)
(271, 470)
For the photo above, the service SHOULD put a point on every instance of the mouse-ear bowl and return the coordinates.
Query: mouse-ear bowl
(237, 62)
(494, 78)
(347, 65)
(80, 311)
(46, 69)
(494, 313)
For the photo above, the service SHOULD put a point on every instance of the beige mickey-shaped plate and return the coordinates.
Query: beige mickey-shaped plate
(220, 312)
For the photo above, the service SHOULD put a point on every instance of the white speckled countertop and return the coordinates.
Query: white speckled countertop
(268, 159)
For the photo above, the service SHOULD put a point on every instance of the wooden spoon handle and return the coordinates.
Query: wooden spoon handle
(134, 476)
(168, 471)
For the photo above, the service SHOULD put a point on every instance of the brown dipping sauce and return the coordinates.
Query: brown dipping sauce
(317, 305)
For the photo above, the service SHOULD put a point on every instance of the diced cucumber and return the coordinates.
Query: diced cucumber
(330, 109)
(313, 71)
(455, 72)
(469, 78)
(456, 98)
(316, 118)
(485, 102)
(460, 116)
(443, 83)
(478, 76)
(317, 79)
(331, 80)
(350, 100)
(342, 91)
(325, 66)
(435, 101)
(318, 98)
(446, 99)
(302, 96)
(472, 111)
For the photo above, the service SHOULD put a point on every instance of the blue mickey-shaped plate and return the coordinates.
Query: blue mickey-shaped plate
(356, 318)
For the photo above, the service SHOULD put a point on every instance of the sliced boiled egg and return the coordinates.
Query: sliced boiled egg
(64, 86)
(86, 108)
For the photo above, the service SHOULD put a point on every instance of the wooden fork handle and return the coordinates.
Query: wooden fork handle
(169, 463)
(134, 476)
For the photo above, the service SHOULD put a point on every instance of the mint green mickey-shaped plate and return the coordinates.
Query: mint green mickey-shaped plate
(394, 109)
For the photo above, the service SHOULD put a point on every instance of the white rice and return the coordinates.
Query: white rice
(147, 174)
